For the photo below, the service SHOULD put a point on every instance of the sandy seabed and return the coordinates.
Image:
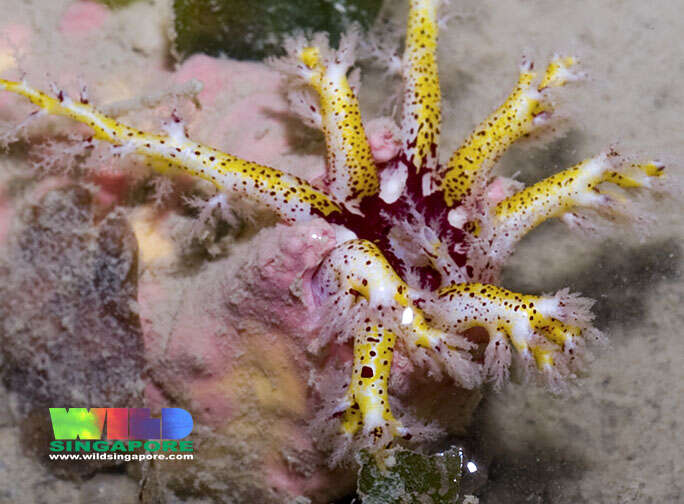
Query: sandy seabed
(615, 441)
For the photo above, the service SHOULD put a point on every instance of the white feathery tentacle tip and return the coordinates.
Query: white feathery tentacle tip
(549, 307)
(175, 128)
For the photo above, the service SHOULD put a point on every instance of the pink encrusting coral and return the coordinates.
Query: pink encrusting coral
(383, 274)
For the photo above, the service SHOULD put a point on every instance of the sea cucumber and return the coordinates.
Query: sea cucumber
(420, 244)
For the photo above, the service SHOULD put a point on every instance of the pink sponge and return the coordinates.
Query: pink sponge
(83, 19)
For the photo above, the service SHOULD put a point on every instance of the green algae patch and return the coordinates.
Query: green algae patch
(116, 3)
(407, 477)
(249, 30)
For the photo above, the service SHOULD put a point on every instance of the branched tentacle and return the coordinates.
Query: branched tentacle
(351, 171)
(367, 404)
(421, 108)
(573, 189)
(447, 229)
(547, 332)
(526, 109)
(292, 198)
(357, 272)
